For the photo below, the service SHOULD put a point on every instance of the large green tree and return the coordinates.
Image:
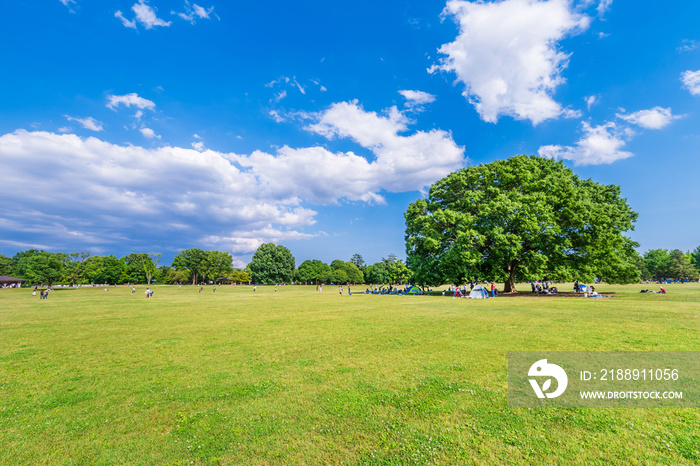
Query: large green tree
(176, 277)
(312, 271)
(192, 260)
(239, 276)
(346, 272)
(6, 267)
(378, 273)
(656, 262)
(133, 271)
(45, 267)
(397, 270)
(272, 264)
(104, 269)
(20, 261)
(149, 263)
(217, 265)
(358, 261)
(74, 269)
(679, 266)
(523, 218)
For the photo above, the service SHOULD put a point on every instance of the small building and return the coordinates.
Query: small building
(10, 282)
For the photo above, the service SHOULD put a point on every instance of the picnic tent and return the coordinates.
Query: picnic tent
(478, 293)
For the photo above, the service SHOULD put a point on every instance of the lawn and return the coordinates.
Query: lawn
(295, 377)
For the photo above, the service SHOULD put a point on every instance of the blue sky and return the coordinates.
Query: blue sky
(159, 125)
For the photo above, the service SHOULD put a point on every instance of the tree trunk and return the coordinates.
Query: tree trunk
(509, 286)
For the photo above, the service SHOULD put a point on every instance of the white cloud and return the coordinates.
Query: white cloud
(691, 81)
(506, 55)
(145, 14)
(194, 12)
(87, 123)
(281, 95)
(129, 100)
(67, 3)
(276, 116)
(130, 191)
(417, 98)
(654, 118)
(243, 241)
(687, 45)
(129, 24)
(286, 81)
(604, 6)
(402, 163)
(591, 100)
(137, 194)
(600, 145)
(321, 87)
(148, 133)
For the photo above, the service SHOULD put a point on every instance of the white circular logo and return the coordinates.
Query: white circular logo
(543, 369)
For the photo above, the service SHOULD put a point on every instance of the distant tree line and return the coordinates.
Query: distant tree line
(275, 264)
(661, 264)
(271, 264)
(45, 268)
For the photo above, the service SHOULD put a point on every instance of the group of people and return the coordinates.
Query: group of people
(662, 290)
(43, 294)
(148, 293)
(545, 288)
(390, 290)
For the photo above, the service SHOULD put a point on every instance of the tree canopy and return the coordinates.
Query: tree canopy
(523, 218)
(662, 264)
(272, 264)
(45, 267)
(217, 265)
(313, 271)
(192, 260)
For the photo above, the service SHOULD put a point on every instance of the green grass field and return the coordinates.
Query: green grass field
(294, 377)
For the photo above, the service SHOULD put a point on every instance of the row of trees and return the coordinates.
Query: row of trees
(390, 270)
(273, 263)
(659, 264)
(46, 268)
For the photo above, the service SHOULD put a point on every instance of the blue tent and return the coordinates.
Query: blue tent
(478, 293)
